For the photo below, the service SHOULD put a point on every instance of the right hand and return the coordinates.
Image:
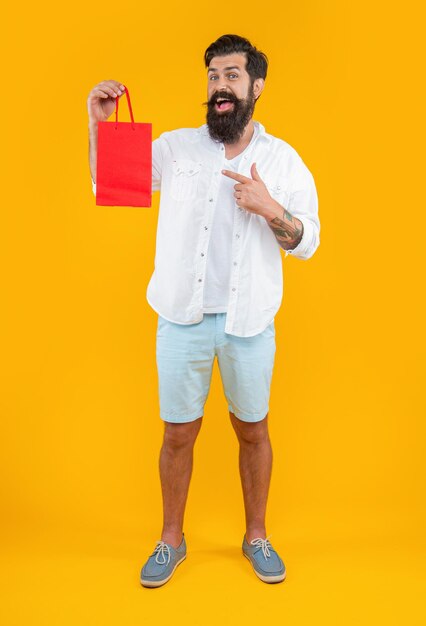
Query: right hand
(101, 100)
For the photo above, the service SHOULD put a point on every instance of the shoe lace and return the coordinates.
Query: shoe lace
(162, 550)
(264, 544)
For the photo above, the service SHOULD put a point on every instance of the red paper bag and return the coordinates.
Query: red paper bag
(124, 165)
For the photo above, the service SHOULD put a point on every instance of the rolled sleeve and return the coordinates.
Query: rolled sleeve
(303, 204)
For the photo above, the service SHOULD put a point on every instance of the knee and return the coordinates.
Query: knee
(251, 433)
(181, 435)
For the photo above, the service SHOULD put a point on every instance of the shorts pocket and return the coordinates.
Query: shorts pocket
(270, 329)
(161, 324)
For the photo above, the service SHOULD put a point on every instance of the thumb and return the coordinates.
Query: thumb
(254, 173)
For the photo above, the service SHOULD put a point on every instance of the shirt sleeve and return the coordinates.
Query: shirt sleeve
(303, 204)
(157, 165)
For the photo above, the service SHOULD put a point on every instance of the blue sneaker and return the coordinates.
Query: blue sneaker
(162, 563)
(266, 563)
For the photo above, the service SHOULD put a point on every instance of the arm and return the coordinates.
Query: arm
(287, 229)
(93, 152)
(101, 103)
(93, 148)
(100, 107)
(296, 227)
(156, 160)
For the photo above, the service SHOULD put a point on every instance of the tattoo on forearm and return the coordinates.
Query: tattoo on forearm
(288, 231)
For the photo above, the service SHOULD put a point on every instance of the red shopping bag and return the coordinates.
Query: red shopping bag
(124, 165)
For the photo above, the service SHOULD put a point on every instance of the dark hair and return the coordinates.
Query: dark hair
(256, 61)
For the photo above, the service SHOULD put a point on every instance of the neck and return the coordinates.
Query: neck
(235, 148)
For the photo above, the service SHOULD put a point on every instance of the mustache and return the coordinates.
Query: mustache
(221, 94)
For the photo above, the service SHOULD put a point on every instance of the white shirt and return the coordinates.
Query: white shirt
(219, 253)
(186, 166)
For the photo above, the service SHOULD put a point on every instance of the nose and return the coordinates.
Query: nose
(221, 84)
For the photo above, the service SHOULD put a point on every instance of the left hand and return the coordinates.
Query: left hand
(251, 193)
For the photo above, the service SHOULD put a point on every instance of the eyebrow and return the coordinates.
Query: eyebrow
(234, 67)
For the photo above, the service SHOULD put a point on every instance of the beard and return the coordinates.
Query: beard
(228, 126)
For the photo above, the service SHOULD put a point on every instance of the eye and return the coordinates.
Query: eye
(233, 74)
(213, 76)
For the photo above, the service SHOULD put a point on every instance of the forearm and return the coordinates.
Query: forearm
(93, 148)
(287, 228)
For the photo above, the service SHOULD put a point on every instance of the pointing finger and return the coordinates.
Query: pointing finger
(254, 172)
(238, 177)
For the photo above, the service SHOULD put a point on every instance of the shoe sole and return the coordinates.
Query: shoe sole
(155, 583)
(266, 579)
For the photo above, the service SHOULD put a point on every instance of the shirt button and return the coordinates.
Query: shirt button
(234, 289)
(235, 263)
(211, 199)
(205, 227)
(199, 280)
(237, 236)
(202, 254)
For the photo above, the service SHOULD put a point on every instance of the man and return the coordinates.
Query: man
(232, 196)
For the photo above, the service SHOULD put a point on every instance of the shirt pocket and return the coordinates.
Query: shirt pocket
(278, 190)
(185, 179)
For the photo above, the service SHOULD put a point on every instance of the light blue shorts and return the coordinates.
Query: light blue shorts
(185, 355)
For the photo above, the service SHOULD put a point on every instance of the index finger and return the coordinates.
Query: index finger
(239, 177)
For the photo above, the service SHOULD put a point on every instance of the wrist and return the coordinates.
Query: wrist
(272, 210)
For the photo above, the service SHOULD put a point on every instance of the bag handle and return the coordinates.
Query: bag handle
(130, 109)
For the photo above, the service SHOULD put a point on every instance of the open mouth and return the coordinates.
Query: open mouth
(223, 105)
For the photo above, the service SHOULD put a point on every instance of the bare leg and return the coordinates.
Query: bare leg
(176, 460)
(255, 462)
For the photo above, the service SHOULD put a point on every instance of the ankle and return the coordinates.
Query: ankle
(172, 537)
(255, 533)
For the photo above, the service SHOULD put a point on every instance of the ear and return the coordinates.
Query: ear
(258, 87)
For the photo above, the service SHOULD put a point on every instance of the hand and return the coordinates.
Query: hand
(251, 193)
(102, 98)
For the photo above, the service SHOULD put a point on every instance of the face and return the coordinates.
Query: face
(231, 97)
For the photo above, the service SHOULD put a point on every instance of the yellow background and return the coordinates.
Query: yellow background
(81, 504)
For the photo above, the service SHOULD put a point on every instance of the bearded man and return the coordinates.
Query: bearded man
(232, 197)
